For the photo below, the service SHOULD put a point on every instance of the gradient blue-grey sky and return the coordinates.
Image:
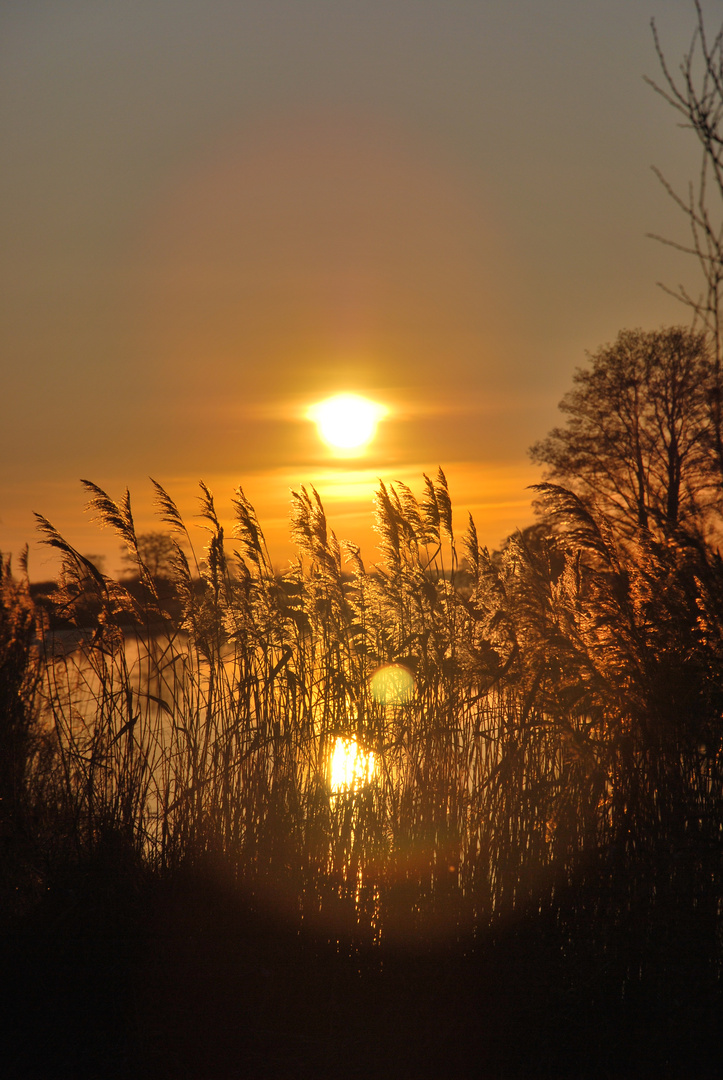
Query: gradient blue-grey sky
(214, 214)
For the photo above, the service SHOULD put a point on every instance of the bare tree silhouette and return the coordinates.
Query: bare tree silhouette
(638, 438)
(695, 92)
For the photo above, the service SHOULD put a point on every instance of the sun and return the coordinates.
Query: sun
(347, 422)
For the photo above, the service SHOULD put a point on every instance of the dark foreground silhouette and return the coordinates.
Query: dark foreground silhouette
(112, 976)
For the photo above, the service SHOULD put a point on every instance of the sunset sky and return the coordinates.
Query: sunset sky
(215, 214)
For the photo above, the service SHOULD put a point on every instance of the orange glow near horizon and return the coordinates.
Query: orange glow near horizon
(495, 493)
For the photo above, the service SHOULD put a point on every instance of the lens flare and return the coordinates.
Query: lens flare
(347, 422)
(392, 685)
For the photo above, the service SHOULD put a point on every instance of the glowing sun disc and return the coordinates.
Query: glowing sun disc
(347, 421)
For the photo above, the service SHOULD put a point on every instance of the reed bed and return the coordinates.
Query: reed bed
(559, 753)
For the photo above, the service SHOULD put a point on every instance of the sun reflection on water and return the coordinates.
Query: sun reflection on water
(352, 767)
